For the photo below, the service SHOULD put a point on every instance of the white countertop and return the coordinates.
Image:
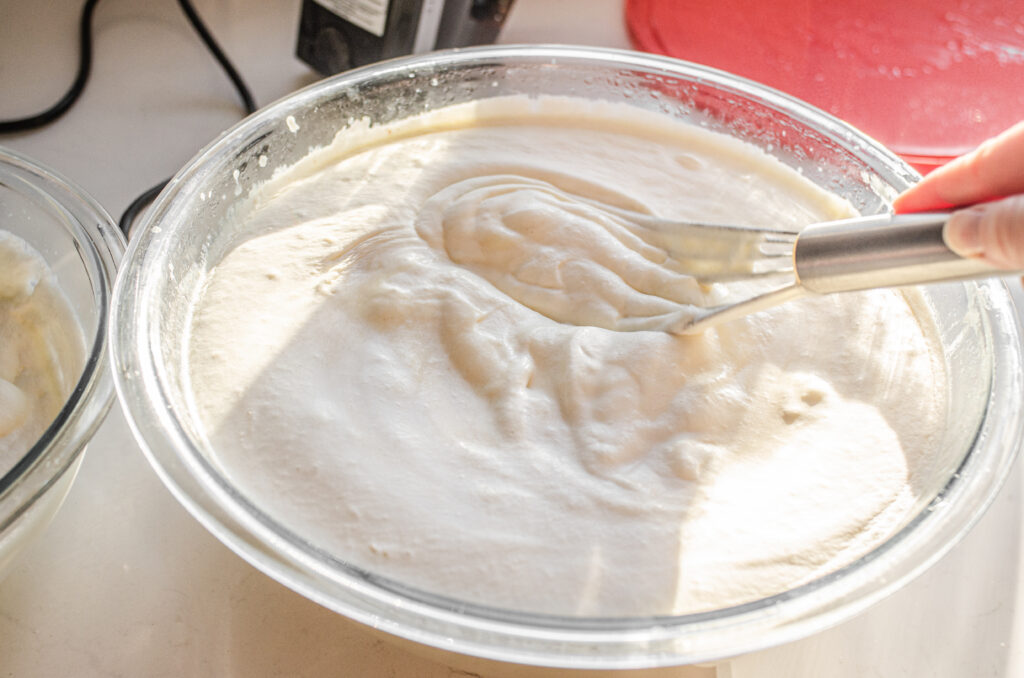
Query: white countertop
(126, 583)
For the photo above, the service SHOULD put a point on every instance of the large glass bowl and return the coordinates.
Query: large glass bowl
(184, 235)
(82, 247)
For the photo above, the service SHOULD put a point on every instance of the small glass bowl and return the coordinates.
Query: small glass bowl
(82, 247)
(186, 232)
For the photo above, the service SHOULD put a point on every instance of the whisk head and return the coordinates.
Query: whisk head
(730, 253)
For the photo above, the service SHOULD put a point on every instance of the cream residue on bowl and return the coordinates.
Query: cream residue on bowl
(42, 350)
(435, 355)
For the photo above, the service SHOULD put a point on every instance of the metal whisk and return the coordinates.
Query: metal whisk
(885, 250)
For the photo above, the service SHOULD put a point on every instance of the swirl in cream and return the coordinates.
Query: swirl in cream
(416, 362)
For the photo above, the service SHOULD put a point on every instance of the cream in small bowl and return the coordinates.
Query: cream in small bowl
(58, 257)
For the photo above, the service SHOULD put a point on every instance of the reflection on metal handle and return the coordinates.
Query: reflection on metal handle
(880, 251)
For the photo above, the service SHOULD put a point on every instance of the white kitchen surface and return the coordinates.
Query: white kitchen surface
(125, 583)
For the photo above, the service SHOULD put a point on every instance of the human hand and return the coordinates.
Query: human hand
(991, 178)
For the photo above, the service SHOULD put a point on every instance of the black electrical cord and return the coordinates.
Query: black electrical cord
(84, 67)
(62, 106)
(140, 203)
(137, 205)
(243, 91)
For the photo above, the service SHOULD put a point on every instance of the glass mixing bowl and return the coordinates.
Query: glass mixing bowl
(82, 247)
(185, 234)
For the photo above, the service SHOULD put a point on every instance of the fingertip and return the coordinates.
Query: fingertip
(919, 198)
(902, 204)
(943, 188)
(906, 202)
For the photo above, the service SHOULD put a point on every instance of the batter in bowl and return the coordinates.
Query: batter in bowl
(42, 350)
(438, 353)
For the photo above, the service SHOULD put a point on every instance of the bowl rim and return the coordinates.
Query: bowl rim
(547, 640)
(100, 246)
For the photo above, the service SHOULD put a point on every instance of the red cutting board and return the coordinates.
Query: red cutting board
(930, 79)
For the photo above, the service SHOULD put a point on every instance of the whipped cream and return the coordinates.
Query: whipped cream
(42, 350)
(437, 352)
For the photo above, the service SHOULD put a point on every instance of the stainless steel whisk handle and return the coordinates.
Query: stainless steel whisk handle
(886, 250)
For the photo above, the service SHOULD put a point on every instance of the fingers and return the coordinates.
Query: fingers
(993, 170)
(993, 231)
